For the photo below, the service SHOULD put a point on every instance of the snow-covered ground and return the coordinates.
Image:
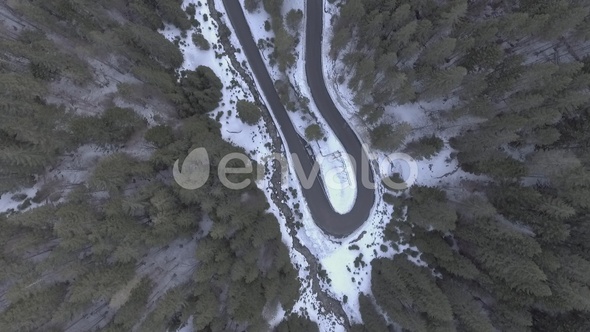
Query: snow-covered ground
(12, 201)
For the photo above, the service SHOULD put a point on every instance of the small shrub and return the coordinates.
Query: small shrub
(191, 10)
(425, 147)
(314, 132)
(248, 112)
(201, 41)
(160, 136)
(19, 197)
(114, 126)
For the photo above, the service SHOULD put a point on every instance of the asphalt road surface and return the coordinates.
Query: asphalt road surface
(325, 217)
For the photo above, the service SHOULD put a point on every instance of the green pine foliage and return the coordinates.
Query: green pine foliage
(388, 137)
(83, 252)
(469, 313)
(201, 41)
(284, 41)
(114, 126)
(293, 19)
(33, 312)
(511, 246)
(296, 323)
(371, 113)
(372, 319)
(428, 209)
(202, 90)
(314, 132)
(438, 252)
(45, 60)
(248, 112)
(252, 5)
(160, 136)
(425, 147)
(409, 295)
(30, 133)
(131, 312)
(506, 251)
(147, 42)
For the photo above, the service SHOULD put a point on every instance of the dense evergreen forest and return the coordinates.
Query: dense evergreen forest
(507, 252)
(510, 252)
(85, 257)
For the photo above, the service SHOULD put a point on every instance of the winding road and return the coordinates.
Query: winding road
(331, 222)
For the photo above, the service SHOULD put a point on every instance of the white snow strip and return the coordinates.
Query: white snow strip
(337, 172)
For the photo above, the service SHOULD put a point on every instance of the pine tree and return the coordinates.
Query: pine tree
(160, 136)
(495, 164)
(200, 41)
(100, 283)
(74, 225)
(246, 301)
(372, 319)
(350, 14)
(408, 294)
(442, 82)
(248, 112)
(35, 311)
(468, 311)
(455, 10)
(202, 90)
(387, 137)
(403, 37)
(569, 285)
(435, 54)
(284, 44)
(371, 113)
(114, 172)
(295, 322)
(438, 253)
(475, 207)
(425, 147)
(509, 317)
(130, 313)
(252, 5)
(293, 19)
(428, 209)
(482, 57)
(339, 40)
(512, 264)
(314, 132)
(167, 311)
(152, 43)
